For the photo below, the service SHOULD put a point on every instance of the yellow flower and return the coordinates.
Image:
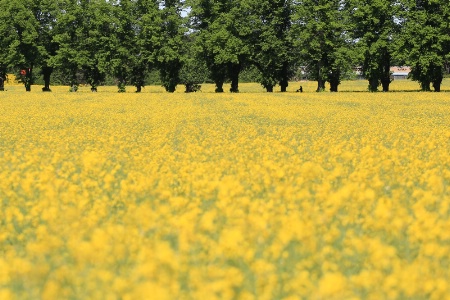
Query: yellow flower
(331, 285)
(224, 196)
(6, 294)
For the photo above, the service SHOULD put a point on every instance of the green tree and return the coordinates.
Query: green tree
(147, 27)
(137, 36)
(232, 30)
(85, 38)
(68, 36)
(97, 44)
(125, 49)
(203, 13)
(45, 13)
(3, 50)
(326, 50)
(374, 24)
(19, 38)
(194, 71)
(423, 43)
(170, 46)
(225, 28)
(3, 76)
(271, 40)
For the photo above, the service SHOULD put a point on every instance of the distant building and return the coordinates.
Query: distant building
(400, 72)
(358, 71)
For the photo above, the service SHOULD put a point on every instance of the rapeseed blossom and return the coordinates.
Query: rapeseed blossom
(205, 196)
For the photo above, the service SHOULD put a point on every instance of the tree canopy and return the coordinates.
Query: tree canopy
(192, 41)
(424, 42)
(374, 24)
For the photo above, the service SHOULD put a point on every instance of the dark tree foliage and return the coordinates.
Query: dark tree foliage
(97, 40)
(272, 43)
(170, 47)
(134, 37)
(203, 14)
(148, 38)
(67, 36)
(194, 71)
(19, 38)
(45, 12)
(374, 25)
(192, 41)
(125, 47)
(322, 28)
(85, 39)
(225, 28)
(423, 43)
(3, 76)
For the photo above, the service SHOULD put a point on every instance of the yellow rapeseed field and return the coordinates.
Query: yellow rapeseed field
(224, 196)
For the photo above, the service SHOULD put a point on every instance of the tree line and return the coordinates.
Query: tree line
(192, 41)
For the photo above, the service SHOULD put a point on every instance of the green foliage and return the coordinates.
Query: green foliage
(128, 42)
(271, 42)
(250, 74)
(135, 36)
(85, 38)
(374, 25)
(125, 47)
(424, 40)
(3, 75)
(19, 33)
(169, 47)
(321, 29)
(224, 28)
(67, 35)
(194, 70)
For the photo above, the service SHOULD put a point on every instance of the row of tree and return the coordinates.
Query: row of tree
(194, 40)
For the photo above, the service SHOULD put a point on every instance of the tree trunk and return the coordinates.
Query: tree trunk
(386, 76)
(320, 85)
(284, 82)
(191, 87)
(334, 86)
(218, 75)
(437, 79)
(283, 86)
(334, 79)
(269, 88)
(47, 72)
(234, 70)
(93, 87)
(169, 73)
(320, 80)
(425, 85)
(385, 82)
(73, 81)
(171, 88)
(437, 85)
(28, 79)
(122, 87)
(219, 86)
(138, 88)
(373, 84)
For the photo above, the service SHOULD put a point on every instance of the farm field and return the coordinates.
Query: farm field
(308, 87)
(225, 196)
